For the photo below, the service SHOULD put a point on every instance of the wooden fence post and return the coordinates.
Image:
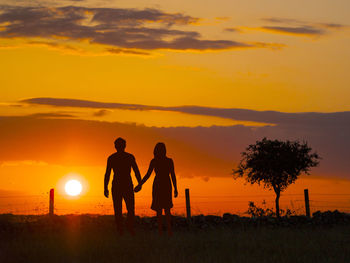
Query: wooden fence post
(307, 202)
(52, 196)
(188, 204)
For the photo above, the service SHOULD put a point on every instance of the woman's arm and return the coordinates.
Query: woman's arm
(148, 174)
(173, 177)
(145, 178)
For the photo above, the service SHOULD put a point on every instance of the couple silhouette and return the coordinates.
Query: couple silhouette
(121, 163)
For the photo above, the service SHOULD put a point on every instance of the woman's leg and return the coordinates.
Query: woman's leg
(159, 219)
(168, 221)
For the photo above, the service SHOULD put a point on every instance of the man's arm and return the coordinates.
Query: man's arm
(136, 170)
(107, 175)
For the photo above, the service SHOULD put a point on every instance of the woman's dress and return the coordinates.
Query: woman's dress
(162, 190)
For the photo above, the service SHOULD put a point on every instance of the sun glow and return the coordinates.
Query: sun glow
(73, 187)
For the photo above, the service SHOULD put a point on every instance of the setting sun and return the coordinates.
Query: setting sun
(73, 187)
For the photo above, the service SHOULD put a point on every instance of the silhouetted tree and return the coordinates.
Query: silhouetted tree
(275, 164)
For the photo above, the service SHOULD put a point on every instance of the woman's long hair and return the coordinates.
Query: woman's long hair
(159, 151)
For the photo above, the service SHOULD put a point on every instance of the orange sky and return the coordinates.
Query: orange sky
(76, 75)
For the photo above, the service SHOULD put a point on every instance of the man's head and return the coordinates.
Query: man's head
(120, 144)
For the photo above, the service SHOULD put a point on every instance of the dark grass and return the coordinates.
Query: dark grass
(95, 239)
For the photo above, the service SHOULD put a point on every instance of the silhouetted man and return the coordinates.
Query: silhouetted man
(122, 188)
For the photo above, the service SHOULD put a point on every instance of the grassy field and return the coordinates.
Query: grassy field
(94, 239)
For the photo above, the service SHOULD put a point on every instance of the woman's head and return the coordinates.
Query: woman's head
(159, 150)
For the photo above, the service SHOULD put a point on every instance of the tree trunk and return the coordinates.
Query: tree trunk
(277, 204)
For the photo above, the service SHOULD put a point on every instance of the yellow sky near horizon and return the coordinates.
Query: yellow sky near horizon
(213, 196)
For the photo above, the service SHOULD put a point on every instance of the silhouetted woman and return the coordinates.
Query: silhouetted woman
(162, 190)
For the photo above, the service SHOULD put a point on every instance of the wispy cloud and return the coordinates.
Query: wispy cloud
(272, 117)
(126, 31)
(298, 27)
(281, 20)
(333, 26)
(53, 45)
(63, 102)
(303, 30)
(52, 115)
(101, 113)
(127, 51)
(232, 29)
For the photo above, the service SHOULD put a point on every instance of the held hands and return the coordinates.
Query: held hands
(138, 188)
(106, 193)
(175, 193)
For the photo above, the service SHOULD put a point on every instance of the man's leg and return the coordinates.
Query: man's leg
(117, 204)
(129, 199)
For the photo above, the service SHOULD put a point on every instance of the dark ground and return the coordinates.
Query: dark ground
(87, 238)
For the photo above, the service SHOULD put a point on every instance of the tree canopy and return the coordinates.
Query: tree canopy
(276, 164)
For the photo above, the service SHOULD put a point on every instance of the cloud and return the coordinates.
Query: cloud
(61, 102)
(299, 27)
(127, 51)
(204, 152)
(273, 46)
(232, 29)
(101, 113)
(54, 45)
(280, 20)
(273, 117)
(303, 30)
(120, 28)
(81, 142)
(333, 26)
(52, 115)
(107, 16)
